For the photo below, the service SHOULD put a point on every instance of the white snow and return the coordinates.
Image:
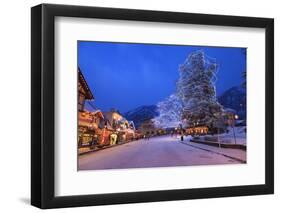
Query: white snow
(240, 135)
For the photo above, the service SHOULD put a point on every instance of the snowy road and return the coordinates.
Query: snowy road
(156, 152)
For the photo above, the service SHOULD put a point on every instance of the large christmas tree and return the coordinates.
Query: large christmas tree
(196, 89)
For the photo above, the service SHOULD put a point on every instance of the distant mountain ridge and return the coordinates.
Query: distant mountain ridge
(235, 98)
(141, 114)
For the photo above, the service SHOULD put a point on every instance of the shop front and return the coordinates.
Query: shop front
(85, 136)
(199, 130)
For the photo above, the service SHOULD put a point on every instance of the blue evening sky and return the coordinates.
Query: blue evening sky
(125, 76)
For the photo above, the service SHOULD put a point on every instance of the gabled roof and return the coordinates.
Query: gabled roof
(99, 113)
(89, 95)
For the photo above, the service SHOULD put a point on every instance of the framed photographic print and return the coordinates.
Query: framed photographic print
(139, 106)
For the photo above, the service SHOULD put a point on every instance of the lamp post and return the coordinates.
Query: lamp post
(234, 118)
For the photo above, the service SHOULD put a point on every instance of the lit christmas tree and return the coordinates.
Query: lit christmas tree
(169, 112)
(196, 89)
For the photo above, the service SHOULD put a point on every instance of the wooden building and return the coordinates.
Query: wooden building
(84, 92)
(85, 128)
(147, 127)
(124, 128)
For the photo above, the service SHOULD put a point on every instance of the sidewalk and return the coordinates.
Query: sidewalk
(236, 154)
(86, 150)
(222, 145)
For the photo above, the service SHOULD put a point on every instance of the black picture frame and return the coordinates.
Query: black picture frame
(43, 105)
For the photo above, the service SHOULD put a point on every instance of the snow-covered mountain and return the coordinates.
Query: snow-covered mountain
(235, 98)
(141, 114)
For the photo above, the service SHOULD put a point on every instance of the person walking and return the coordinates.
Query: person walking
(182, 135)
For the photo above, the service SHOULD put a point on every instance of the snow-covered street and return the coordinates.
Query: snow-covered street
(159, 151)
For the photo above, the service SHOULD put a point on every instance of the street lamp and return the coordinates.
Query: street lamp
(234, 118)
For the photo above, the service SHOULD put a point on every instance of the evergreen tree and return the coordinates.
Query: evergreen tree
(196, 89)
